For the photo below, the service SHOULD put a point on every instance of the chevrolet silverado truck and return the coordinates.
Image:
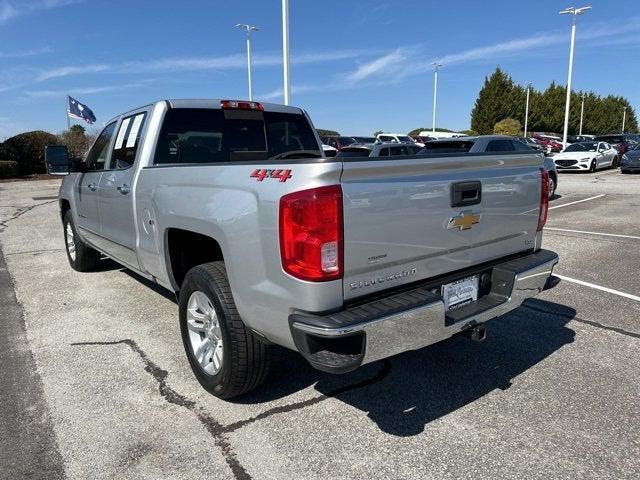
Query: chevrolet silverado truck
(233, 206)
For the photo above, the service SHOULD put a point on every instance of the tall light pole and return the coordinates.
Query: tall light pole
(248, 29)
(574, 12)
(581, 113)
(436, 66)
(624, 117)
(526, 110)
(285, 51)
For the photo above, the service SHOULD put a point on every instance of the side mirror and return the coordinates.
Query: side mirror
(56, 157)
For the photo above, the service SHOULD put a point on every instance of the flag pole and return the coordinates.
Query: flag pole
(66, 109)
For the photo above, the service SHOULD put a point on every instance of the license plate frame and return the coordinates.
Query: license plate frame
(460, 292)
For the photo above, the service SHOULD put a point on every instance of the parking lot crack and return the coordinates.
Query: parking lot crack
(21, 211)
(378, 377)
(212, 426)
(586, 322)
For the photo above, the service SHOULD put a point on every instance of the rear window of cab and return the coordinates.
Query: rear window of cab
(198, 135)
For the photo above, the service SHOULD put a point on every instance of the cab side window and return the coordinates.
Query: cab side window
(499, 146)
(519, 146)
(127, 141)
(97, 156)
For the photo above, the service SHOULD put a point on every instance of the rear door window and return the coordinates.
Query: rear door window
(126, 146)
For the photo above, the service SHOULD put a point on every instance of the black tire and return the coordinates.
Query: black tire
(624, 171)
(246, 361)
(594, 166)
(86, 258)
(616, 162)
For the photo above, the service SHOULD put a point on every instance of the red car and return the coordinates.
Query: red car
(338, 142)
(549, 143)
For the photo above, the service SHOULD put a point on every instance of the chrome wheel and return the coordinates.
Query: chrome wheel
(551, 186)
(71, 244)
(205, 335)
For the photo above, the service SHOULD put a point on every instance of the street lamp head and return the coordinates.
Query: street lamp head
(436, 65)
(575, 11)
(248, 28)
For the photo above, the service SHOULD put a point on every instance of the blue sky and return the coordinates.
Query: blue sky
(357, 66)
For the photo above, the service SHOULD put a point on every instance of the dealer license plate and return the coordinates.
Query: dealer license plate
(460, 292)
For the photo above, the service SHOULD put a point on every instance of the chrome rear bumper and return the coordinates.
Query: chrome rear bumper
(342, 341)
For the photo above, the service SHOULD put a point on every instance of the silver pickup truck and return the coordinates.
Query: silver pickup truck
(233, 206)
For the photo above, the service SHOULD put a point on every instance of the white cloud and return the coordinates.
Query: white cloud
(383, 65)
(172, 64)
(13, 9)
(26, 53)
(71, 70)
(278, 93)
(81, 90)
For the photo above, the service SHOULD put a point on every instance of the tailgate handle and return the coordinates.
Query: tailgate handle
(466, 193)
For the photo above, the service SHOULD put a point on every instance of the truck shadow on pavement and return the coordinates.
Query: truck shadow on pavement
(411, 390)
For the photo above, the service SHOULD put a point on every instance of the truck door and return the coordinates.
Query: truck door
(116, 192)
(89, 183)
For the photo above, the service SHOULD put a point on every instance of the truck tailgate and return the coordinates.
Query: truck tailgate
(400, 226)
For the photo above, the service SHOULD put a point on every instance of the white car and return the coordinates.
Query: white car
(395, 138)
(329, 151)
(586, 157)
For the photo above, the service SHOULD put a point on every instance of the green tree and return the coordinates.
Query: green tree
(29, 147)
(76, 140)
(496, 101)
(8, 153)
(508, 126)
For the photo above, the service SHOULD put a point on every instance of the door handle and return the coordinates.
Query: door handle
(92, 186)
(123, 189)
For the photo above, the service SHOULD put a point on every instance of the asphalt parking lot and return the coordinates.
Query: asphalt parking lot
(94, 382)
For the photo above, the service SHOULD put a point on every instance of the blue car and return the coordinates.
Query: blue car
(631, 160)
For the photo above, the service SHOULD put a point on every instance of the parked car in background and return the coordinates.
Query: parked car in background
(365, 140)
(586, 157)
(630, 161)
(395, 138)
(492, 143)
(337, 141)
(550, 143)
(580, 138)
(422, 138)
(531, 143)
(329, 151)
(620, 141)
(437, 134)
(379, 150)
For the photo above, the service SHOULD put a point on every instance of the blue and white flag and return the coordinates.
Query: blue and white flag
(80, 111)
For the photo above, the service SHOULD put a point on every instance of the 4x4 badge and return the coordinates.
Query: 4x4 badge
(464, 221)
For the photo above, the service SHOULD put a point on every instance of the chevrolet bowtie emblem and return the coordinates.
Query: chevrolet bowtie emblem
(464, 221)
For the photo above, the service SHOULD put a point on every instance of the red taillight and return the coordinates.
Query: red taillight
(241, 105)
(544, 199)
(311, 244)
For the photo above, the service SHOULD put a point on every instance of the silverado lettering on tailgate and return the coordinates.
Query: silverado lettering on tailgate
(369, 282)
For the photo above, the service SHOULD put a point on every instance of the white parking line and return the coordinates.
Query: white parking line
(578, 201)
(598, 287)
(591, 233)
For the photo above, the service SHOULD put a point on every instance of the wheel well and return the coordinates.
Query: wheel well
(187, 249)
(65, 206)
